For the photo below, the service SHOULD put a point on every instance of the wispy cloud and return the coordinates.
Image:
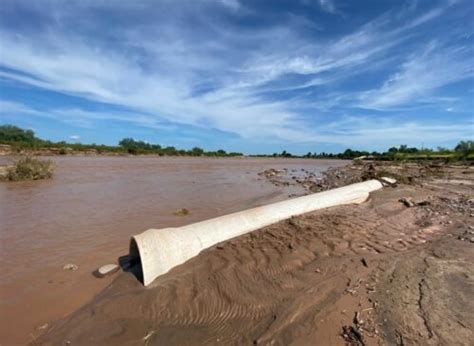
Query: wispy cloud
(232, 4)
(82, 118)
(420, 75)
(328, 6)
(363, 131)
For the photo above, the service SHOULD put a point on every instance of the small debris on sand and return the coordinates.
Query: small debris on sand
(357, 319)
(71, 267)
(364, 262)
(468, 235)
(44, 326)
(272, 172)
(107, 269)
(148, 335)
(181, 212)
(407, 202)
(352, 335)
(389, 181)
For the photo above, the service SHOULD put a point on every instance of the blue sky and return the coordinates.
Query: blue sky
(251, 76)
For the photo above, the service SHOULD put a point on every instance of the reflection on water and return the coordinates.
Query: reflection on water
(88, 211)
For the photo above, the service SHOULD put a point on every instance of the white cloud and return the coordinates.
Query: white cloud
(232, 4)
(436, 12)
(328, 6)
(82, 118)
(374, 132)
(75, 67)
(9, 107)
(420, 75)
(75, 137)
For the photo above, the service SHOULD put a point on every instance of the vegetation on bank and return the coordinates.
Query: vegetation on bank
(28, 168)
(21, 140)
(464, 150)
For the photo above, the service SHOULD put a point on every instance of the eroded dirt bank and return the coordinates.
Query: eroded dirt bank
(376, 273)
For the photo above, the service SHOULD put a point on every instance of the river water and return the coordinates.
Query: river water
(86, 214)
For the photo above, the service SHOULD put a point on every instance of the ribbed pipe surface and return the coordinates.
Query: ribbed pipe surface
(159, 250)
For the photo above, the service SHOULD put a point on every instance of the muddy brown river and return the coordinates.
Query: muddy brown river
(86, 214)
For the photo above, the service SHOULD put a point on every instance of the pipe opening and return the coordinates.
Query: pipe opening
(132, 263)
(134, 252)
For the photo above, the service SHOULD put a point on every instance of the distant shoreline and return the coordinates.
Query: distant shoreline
(15, 140)
(49, 153)
(8, 151)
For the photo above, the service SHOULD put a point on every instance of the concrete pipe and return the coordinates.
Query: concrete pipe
(159, 250)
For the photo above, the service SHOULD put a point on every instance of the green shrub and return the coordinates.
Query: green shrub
(29, 168)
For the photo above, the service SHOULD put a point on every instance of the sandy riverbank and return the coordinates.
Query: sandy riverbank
(361, 274)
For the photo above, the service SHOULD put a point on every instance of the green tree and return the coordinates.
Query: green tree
(393, 150)
(130, 145)
(465, 146)
(11, 133)
(196, 151)
(170, 151)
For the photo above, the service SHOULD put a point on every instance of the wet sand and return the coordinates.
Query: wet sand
(87, 212)
(369, 274)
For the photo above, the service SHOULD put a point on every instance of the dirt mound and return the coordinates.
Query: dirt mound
(356, 274)
(410, 174)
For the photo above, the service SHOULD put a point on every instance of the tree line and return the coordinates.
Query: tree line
(21, 139)
(463, 149)
(133, 146)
